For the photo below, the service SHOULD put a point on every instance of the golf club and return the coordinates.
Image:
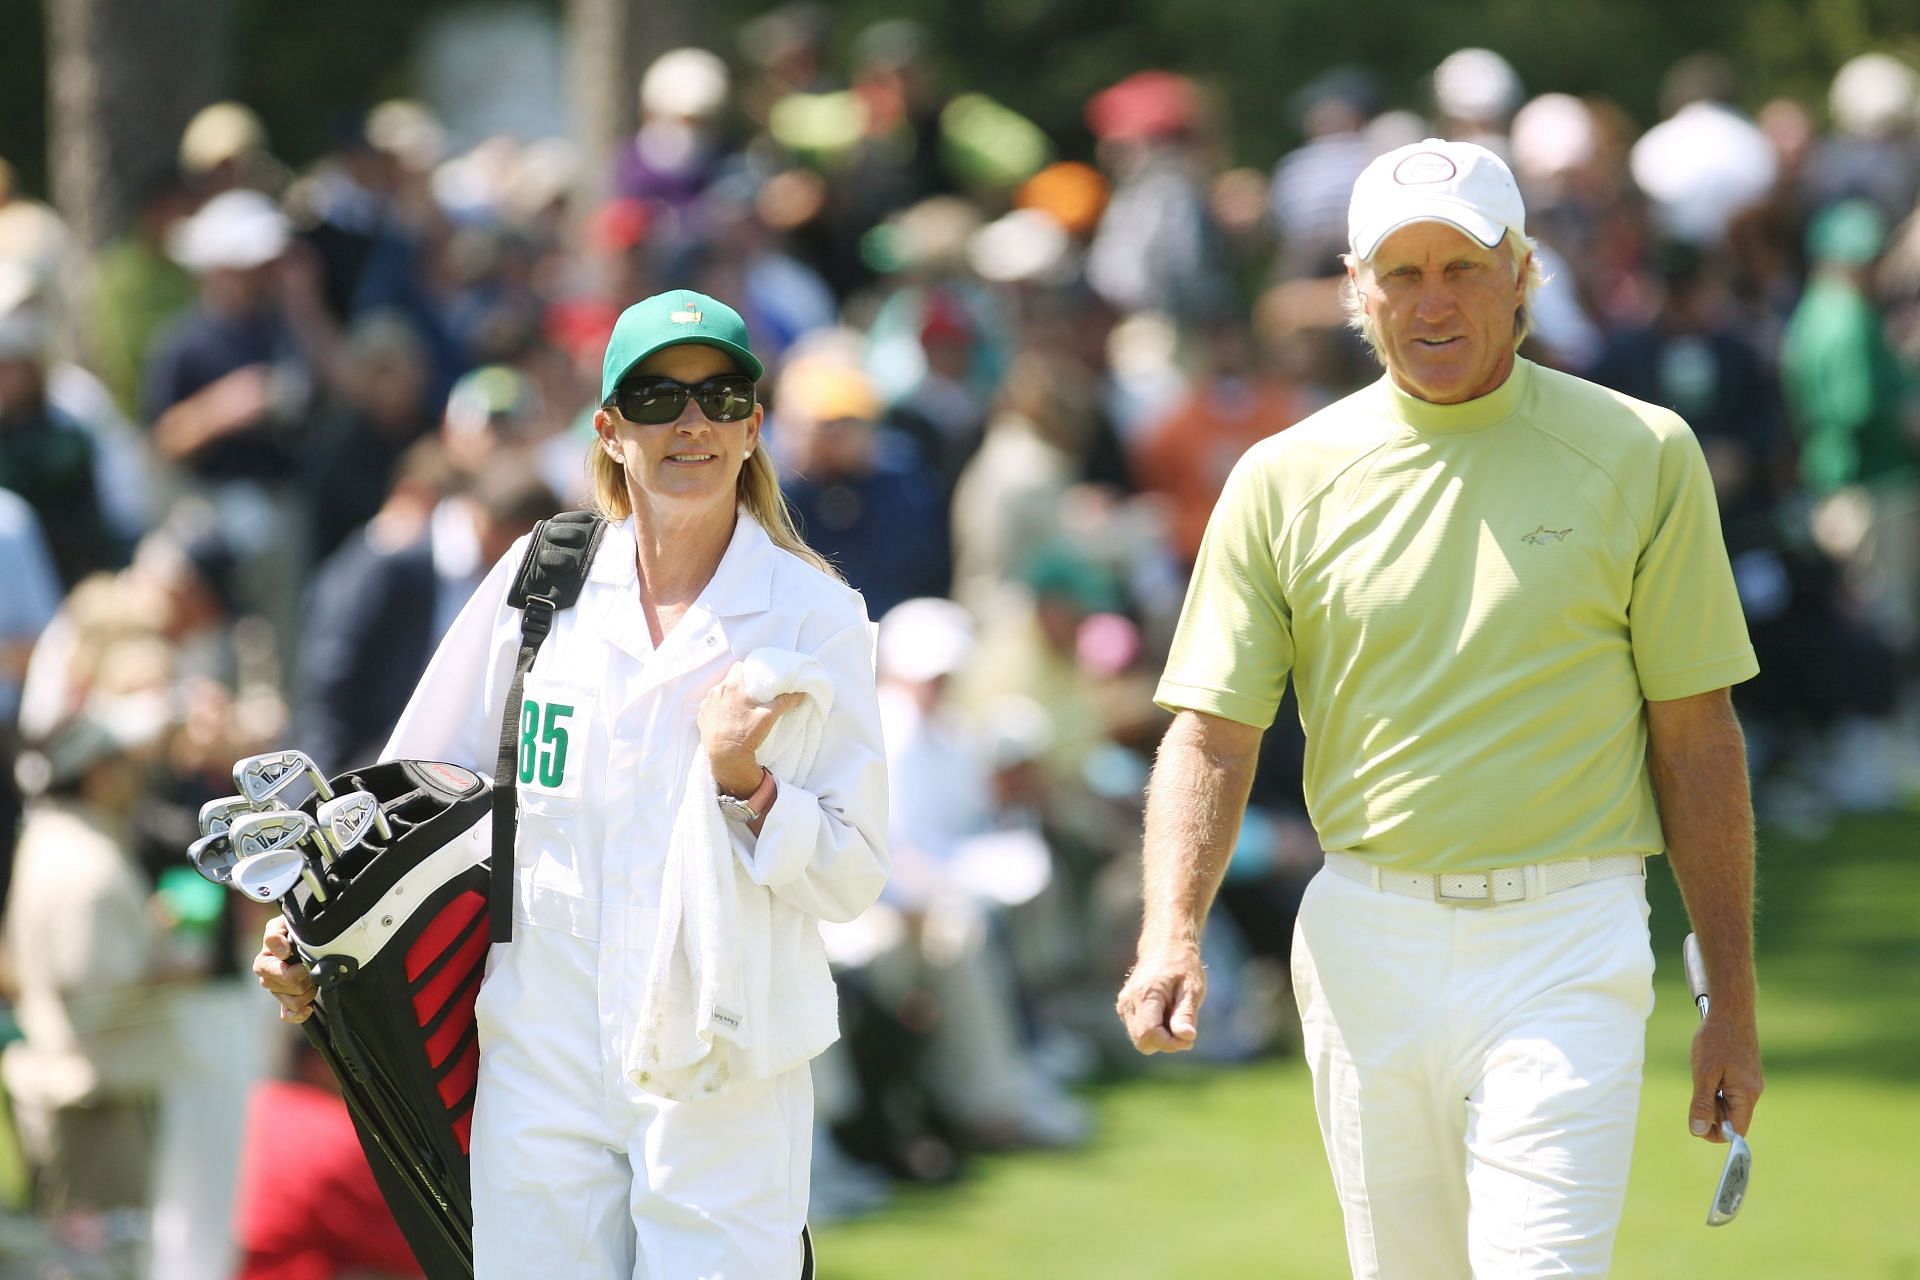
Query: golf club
(347, 819)
(270, 874)
(262, 777)
(213, 857)
(217, 815)
(1738, 1169)
(256, 833)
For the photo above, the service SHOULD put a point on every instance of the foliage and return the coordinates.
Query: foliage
(308, 67)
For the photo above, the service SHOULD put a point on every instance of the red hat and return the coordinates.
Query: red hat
(1147, 104)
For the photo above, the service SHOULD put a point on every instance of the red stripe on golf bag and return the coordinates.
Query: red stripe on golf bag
(443, 932)
(454, 1027)
(458, 1083)
(428, 1000)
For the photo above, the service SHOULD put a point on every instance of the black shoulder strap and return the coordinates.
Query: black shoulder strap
(559, 554)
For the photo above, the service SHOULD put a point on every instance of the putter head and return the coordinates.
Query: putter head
(217, 815)
(262, 777)
(269, 875)
(255, 833)
(348, 818)
(213, 857)
(1733, 1180)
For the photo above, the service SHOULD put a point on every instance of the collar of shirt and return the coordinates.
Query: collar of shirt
(1484, 411)
(742, 583)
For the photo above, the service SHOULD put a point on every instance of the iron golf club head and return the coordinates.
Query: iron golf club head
(347, 819)
(217, 815)
(269, 875)
(262, 777)
(253, 833)
(1733, 1177)
(213, 857)
(1738, 1169)
(256, 833)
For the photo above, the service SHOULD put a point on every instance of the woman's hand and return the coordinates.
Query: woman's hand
(282, 975)
(732, 728)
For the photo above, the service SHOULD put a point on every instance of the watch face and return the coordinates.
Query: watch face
(736, 808)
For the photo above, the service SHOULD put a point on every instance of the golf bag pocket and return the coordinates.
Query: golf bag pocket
(556, 727)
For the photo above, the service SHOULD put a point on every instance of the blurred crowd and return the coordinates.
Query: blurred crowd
(254, 456)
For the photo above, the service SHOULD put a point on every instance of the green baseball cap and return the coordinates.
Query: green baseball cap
(667, 320)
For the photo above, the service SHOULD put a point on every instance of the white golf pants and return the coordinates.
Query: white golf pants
(1476, 1073)
(580, 1175)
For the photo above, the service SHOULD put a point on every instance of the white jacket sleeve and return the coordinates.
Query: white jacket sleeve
(454, 714)
(822, 848)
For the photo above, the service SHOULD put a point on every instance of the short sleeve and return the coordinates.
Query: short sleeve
(1233, 647)
(1689, 635)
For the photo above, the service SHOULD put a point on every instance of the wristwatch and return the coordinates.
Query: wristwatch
(755, 806)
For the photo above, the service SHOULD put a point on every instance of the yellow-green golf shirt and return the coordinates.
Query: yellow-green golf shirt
(1474, 601)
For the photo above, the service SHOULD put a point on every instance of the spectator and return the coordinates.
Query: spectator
(679, 150)
(82, 945)
(1691, 359)
(1873, 152)
(960, 866)
(224, 148)
(878, 518)
(139, 288)
(1158, 248)
(1475, 93)
(45, 457)
(1008, 499)
(1236, 401)
(376, 614)
(329, 1222)
(1851, 407)
(1705, 162)
(26, 606)
(1312, 182)
(357, 439)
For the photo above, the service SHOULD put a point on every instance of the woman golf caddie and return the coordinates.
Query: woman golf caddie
(582, 1170)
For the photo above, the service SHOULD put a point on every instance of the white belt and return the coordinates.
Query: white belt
(1487, 888)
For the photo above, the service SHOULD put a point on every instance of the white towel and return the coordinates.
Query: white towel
(711, 1014)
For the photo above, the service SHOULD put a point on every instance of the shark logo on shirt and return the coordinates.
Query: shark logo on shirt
(1543, 535)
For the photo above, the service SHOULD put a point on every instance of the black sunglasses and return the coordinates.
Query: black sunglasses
(728, 397)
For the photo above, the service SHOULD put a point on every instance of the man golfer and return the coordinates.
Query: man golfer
(1503, 598)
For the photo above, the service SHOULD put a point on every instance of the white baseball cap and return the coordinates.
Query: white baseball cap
(1459, 183)
(924, 639)
(238, 229)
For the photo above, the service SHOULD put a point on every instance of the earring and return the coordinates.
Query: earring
(749, 453)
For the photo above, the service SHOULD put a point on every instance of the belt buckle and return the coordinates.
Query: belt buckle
(1482, 900)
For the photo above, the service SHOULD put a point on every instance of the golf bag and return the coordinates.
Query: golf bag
(397, 951)
(399, 947)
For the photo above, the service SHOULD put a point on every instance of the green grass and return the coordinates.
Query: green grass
(1220, 1174)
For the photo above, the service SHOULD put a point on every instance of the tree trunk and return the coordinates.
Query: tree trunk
(609, 47)
(124, 77)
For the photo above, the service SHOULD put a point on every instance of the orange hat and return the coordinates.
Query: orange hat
(1074, 193)
(826, 390)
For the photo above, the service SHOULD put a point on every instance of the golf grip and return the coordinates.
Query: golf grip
(1696, 969)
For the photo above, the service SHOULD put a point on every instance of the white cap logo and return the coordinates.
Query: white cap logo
(1427, 166)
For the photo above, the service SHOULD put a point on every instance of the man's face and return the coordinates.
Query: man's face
(1442, 306)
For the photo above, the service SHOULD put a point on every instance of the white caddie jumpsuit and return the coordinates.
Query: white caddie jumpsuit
(578, 1174)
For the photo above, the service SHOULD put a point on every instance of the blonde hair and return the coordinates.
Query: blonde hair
(1520, 248)
(757, 489)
